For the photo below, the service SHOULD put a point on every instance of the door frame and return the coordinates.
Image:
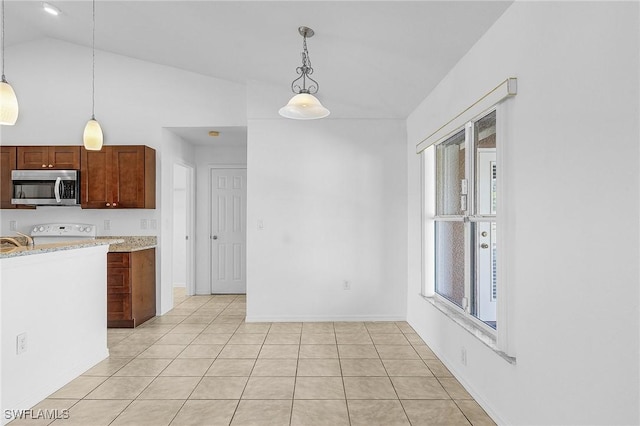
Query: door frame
(191, 221)
(210, 230)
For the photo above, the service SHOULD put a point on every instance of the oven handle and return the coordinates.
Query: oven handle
(56, 189)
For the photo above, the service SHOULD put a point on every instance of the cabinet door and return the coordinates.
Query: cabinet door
(33, 157)
(7, 163)
(118, 307)
(95, 179)
(143, 292)
(64, 157)
(128, 176)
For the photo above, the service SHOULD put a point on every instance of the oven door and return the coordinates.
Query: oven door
(45, 187)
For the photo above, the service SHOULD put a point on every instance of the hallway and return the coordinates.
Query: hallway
(201, 364)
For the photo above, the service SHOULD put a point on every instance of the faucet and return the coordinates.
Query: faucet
(29, 239)
(10, 240)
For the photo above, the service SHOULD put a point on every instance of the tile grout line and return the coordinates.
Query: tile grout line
(389, 377)
(203, 376)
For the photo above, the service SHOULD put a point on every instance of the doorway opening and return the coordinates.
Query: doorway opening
(182, 260)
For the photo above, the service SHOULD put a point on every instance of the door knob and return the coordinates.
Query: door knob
(484, 245)
(215, 237)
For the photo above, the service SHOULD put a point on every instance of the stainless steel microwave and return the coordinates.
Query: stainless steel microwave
(46, 187)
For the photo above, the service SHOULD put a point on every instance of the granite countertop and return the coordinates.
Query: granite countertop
(131, 243)
(8, 250)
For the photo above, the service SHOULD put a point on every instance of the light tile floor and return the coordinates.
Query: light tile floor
(201, 364)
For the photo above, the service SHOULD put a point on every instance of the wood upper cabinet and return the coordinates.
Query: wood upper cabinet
(48, 157)
(120, 176)
(7, 163)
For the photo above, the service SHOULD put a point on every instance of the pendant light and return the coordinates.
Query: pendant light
(304, 106)
(8, 99)
(92, 136)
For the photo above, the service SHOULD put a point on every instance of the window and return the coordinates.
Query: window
(466, 253)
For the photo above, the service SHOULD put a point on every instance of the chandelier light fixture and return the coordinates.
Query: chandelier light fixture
(8, 99)
(304, 106)
(92, 136)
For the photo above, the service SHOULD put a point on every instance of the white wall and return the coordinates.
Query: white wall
(571, 208)
(332, 197)
(208, 157)
(134, 101)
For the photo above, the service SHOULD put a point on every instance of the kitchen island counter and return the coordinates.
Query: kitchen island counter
(53, 297)
(8, 252)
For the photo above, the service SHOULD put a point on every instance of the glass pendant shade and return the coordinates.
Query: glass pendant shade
(92, 136)
(304, 106)
(8, 104)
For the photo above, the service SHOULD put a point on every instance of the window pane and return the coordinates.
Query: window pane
(450, 260)
(485, 161)
(485, 288)
(450, 171)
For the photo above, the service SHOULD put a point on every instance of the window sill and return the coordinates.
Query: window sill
(470, 326)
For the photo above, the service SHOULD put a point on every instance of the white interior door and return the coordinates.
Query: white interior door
(228, 230)
(183, 264)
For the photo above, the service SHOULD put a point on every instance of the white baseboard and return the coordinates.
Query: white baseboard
(324, 318)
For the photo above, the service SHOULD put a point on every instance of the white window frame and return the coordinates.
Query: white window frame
(470, 217)
(499, 339)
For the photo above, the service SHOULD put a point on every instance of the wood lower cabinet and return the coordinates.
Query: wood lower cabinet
(48, 157)
(131, 288)
(121, 176)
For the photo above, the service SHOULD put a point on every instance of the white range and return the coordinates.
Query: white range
(62, 232)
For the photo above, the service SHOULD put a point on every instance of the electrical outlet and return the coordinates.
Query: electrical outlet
(13, 225)
(463, 355)
(346, 285)
(153, 223)
(107, 225)
(260, 225)
(143, 223)
(21, 343)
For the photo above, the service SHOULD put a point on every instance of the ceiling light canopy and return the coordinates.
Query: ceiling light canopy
(304, 106)
(50, 9)
(8, 99)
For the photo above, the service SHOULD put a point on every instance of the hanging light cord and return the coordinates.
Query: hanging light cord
(4, 80)
(93, 62)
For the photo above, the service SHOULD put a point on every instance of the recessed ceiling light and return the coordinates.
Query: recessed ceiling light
(214, 133)
(51, 9)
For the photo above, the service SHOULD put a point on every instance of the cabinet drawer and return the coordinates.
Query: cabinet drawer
(118, 260)
(118, 280)
(118, 307)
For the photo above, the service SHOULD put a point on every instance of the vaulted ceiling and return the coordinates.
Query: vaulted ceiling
(381, 57)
